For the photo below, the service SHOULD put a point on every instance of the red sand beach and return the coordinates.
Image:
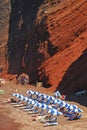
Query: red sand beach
(13, 118)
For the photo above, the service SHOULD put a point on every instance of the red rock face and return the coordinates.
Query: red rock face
(68, 31)
(4, 27)
(48, 40)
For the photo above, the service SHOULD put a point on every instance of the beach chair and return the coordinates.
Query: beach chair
(50, 124)
(74, 117)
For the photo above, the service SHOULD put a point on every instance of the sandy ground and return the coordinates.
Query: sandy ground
(13, 118)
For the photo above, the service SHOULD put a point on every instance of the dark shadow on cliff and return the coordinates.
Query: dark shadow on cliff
(44, 77)
(75, 79)
(27, 38)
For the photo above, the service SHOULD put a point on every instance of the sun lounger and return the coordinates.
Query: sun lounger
(29, 109)
(68, 115)
(51, 124)
(19, 105)
(74, 118)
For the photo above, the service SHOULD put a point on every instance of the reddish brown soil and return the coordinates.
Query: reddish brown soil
(12, 118)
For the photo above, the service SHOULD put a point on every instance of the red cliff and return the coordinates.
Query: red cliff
(47, 40)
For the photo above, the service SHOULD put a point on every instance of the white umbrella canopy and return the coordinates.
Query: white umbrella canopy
(54, 112)
(32, 94)
(58, 103)
(42, 108)
(57, 94)
(74, 108)
(43, 98)
(78, 110)
(23, 98)
(42, 105)
(18, 96)
(35, 92)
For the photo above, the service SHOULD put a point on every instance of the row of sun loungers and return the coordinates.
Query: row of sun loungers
(47, 106)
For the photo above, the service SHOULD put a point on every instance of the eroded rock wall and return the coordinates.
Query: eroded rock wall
(4, 27)
(47, 39)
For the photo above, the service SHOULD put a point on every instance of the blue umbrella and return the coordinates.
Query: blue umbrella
(54, 112)
(43, 98)
(26, 99)
(22, 98)
(32, 93)
(42, 105)
(76, 110)
(72, 107)
(18, 96)
(57, 102)
(64, 104)
(57, 94)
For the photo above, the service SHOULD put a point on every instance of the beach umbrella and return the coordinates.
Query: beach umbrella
(43, 95)
(76, 110)
(18, 95)
(26, 99)
(72, 107)
(57, 94)
(43, 98)
(30, 105)
(54, 112)
(21, 97)
(60, 104)
(42, 105)
(32, 94)
(29, 92)
(50, 99)
(57, 102)
(64, 104)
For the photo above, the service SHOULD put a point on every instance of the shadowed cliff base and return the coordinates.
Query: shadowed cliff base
(75, 78)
